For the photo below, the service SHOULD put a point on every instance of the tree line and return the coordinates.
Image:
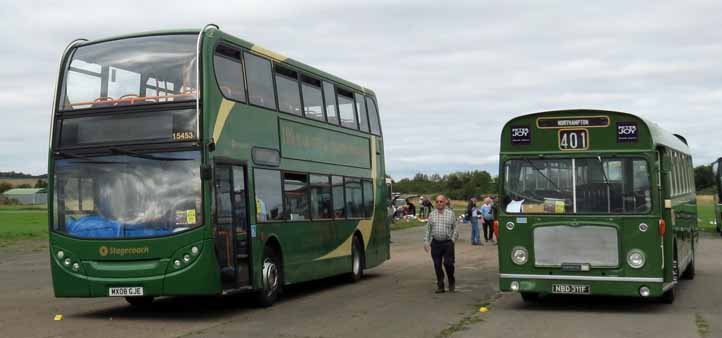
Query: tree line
(14, 174)
(463, 185)
(457, 185)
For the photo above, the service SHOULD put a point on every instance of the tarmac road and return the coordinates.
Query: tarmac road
(394, 300)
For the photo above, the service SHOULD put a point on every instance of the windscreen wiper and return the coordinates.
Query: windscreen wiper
(604, 174)
(541, 173)
(147, 157)
(606, 182)
(84, 158)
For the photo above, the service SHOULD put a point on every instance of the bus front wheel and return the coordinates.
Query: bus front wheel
(668, 296)
(529, 297)
(689, 272)
(271, 277)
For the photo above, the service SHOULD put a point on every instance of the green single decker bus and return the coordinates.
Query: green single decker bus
(192, 162)
(594, 202)
(718, 195)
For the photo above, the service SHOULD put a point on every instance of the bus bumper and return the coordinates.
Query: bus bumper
(607, 286)
(199, 277)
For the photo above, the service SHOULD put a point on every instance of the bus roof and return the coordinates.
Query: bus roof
(650, 134)
(254, 47)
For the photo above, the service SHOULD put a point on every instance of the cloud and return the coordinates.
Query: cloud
(447, 75)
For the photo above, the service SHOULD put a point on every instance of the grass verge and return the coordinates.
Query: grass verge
(21, 223)
(705, 213)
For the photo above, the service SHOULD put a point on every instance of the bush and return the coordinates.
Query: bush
(8, 201)
(5, 186)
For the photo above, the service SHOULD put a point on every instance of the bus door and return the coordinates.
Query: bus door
(231, 226)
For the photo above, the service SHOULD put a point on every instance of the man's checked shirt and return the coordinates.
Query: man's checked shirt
(441, 226)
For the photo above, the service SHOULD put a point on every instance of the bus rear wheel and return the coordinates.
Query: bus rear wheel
(271, 278)
(357, 262)
(140, 302)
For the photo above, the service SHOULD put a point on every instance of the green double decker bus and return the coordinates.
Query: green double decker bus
(594, 202)
(718, 194)
(192, 162)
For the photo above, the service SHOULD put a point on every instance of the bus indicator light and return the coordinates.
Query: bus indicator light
(662, 227)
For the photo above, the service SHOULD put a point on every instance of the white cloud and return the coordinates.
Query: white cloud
(447, 74)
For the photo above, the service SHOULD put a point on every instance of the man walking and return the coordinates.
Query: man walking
(439, 238)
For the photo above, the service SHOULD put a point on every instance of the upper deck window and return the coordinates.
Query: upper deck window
(260, 82)
(361, 111)
(132, 71)
(373, 116)
(312, 98)
(330, 97)
(346, 108)
(289, 98)
(229, 73)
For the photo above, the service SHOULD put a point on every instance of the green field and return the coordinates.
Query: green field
(705, 213)
(31, 222)
(22, 222)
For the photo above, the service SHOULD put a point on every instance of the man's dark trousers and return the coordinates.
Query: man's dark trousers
(443, 251)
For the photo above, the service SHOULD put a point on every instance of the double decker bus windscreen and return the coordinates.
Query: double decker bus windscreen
(578, 185)
(142, 70)
(128, 196)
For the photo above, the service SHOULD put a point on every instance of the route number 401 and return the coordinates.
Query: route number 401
(573, 139)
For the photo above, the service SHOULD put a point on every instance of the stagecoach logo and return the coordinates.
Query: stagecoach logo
(520, 135)
(104, 251)
(565, 122)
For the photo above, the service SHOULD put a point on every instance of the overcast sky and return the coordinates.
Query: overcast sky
(447, 74)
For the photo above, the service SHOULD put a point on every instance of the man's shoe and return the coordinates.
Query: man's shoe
(440, 290)
(452, 287)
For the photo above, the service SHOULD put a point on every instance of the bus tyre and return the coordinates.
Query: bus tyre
(357, 261)
(668, 296)
(140, 302)
(271, 278)
(529, 297)
(689, 272)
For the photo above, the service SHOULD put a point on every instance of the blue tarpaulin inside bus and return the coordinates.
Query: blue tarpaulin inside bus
(96, 226)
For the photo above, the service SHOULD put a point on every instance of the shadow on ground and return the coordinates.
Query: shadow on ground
(203, 308)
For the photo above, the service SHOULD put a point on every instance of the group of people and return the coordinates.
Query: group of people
(483, 214)
(408, 210)
(441, 235)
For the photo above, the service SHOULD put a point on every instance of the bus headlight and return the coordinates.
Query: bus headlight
(509, 226)
(519, 255)
(61, 254)
(636, 258)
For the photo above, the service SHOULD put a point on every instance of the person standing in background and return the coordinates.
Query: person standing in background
(439, 239)
(474, 216)
(488, 220)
